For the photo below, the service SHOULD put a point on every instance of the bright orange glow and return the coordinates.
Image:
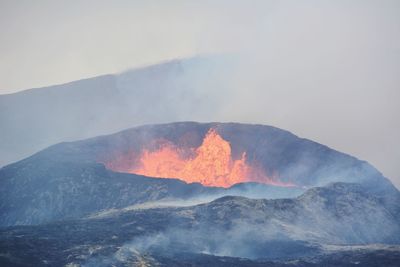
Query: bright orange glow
(210, 165)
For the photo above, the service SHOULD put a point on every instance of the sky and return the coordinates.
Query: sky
(325, 70)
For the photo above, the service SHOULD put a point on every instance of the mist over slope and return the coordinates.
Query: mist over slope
(33, 119)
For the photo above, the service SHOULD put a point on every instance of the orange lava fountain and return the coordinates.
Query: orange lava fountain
(211, 165)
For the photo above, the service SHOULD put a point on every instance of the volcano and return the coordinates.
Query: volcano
(74, 179)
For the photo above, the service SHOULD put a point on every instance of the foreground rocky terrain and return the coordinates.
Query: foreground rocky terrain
(336, 224)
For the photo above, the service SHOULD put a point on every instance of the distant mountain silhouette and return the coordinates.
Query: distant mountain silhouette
(34, 119)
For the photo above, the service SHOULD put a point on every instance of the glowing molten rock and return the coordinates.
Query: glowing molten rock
(210, 165)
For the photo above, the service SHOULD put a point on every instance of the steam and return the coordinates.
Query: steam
(241, 240)
(245, 241)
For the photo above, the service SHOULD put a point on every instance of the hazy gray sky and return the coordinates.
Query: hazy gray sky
(326, 70)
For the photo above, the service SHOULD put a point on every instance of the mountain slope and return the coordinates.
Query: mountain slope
(340, 213)
(34, 119)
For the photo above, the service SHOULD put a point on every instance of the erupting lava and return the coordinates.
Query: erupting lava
(210, 165)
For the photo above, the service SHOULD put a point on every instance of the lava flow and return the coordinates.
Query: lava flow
(210, 165)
